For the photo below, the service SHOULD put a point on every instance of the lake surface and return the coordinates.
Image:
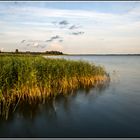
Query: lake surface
(108, 111)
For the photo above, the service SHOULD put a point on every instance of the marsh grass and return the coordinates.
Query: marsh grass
(34, 78)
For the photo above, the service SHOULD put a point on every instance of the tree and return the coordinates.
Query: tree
(16, 51)
(54, 52)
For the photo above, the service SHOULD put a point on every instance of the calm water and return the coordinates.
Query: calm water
(109, 111)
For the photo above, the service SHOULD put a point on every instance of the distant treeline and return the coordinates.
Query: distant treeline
(28, 52)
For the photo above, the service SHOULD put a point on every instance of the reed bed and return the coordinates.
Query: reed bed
(34, 78)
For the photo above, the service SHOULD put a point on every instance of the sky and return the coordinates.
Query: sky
(71, 27)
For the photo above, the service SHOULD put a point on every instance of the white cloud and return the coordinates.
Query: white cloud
(1, 49)
(55, 47)
(117, 30)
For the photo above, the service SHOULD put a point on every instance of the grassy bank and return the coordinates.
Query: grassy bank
(31, 78)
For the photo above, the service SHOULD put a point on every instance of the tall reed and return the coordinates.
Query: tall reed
(32, 78)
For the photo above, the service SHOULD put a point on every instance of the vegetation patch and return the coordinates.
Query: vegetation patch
(30, 78)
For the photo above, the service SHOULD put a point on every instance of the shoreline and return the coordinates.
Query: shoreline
(63, 54)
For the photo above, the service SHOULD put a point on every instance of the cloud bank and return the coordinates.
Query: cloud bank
(36, 27)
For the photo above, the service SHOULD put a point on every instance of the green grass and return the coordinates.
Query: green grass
(30, 78)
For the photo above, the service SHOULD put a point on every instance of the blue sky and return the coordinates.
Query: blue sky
(71, 27)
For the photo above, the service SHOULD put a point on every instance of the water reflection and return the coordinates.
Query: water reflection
(49, 107)
(110, 110)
